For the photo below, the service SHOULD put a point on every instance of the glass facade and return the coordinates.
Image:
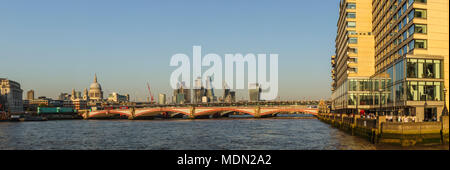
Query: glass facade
(396, 85)
(424, 68)
(362, 92)
(425, 91)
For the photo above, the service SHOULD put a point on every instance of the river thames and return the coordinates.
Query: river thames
(182, 134)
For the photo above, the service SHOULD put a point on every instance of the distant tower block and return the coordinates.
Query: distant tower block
(30, 95)
(162, 99)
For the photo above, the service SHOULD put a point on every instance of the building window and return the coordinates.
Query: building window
(364, 85)
(419, 28)
(411, 68)
(429, 69)
(351, 15)
(351, 5)
(429, 91)
(365, 99)
(353, 40)
(399, 71)
(411, 16)
(411, 30)
(420, 44)
(405, 49)
(404, 22)
(420, 13)
(405, 35)
(421, 1)
(399, 92)
(412, 91)
(404, 7)
(353, 60)
(421, 68)
(351, 99)
(351, 24)
(353, 50)
(352, 85)
(411, 45)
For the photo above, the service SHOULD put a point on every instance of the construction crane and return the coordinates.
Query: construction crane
(150, 92)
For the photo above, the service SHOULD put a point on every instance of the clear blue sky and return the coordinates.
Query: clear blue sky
(52, 46)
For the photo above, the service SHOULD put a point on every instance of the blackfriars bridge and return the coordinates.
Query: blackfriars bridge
(196, 112)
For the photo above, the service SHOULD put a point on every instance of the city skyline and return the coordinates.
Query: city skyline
(128, 45)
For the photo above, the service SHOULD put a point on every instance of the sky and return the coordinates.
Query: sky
(53, 46)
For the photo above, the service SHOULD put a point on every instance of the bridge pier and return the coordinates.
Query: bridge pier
(86, 115)
(132, 116)
(257, 112)
(192, 113)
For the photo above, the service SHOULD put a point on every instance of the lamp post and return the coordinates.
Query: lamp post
(445, 111)
(357, 103)
(425, 104)
(380, 90)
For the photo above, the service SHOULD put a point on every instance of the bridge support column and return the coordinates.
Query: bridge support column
(86, 115)
(258, 112)
(192, 113)
(132, 116)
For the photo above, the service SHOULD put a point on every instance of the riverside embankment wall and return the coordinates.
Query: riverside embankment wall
(379, 131)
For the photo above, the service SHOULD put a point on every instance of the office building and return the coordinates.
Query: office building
(118, 98)
(30, 95)
(353, 62)
(410, 54)
(254, 91)
(162, 99)
(11, 96)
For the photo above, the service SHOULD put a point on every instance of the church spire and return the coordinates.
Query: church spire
(95, 78)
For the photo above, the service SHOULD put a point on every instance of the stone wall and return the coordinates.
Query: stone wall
(380, 131)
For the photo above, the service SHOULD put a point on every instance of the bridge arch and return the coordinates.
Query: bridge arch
(109, 112)
(288, 110)
(157, 111)
(211, 111)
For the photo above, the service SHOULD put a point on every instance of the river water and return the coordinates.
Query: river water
(207, 134)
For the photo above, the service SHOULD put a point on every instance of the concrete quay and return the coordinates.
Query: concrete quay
(380, 131)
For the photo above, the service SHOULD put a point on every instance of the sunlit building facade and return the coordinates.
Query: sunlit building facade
(10, 96)
(410, 52)
(353, 62)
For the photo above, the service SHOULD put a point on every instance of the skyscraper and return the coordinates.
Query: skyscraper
(162, 99)
(30, 95)
(199, 90)
(210, 90)
(410, 58)
(254, 91)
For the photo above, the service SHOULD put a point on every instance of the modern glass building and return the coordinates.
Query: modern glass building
(411, 50)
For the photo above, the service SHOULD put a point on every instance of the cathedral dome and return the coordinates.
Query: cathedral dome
(95, 86)
(95, 90)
